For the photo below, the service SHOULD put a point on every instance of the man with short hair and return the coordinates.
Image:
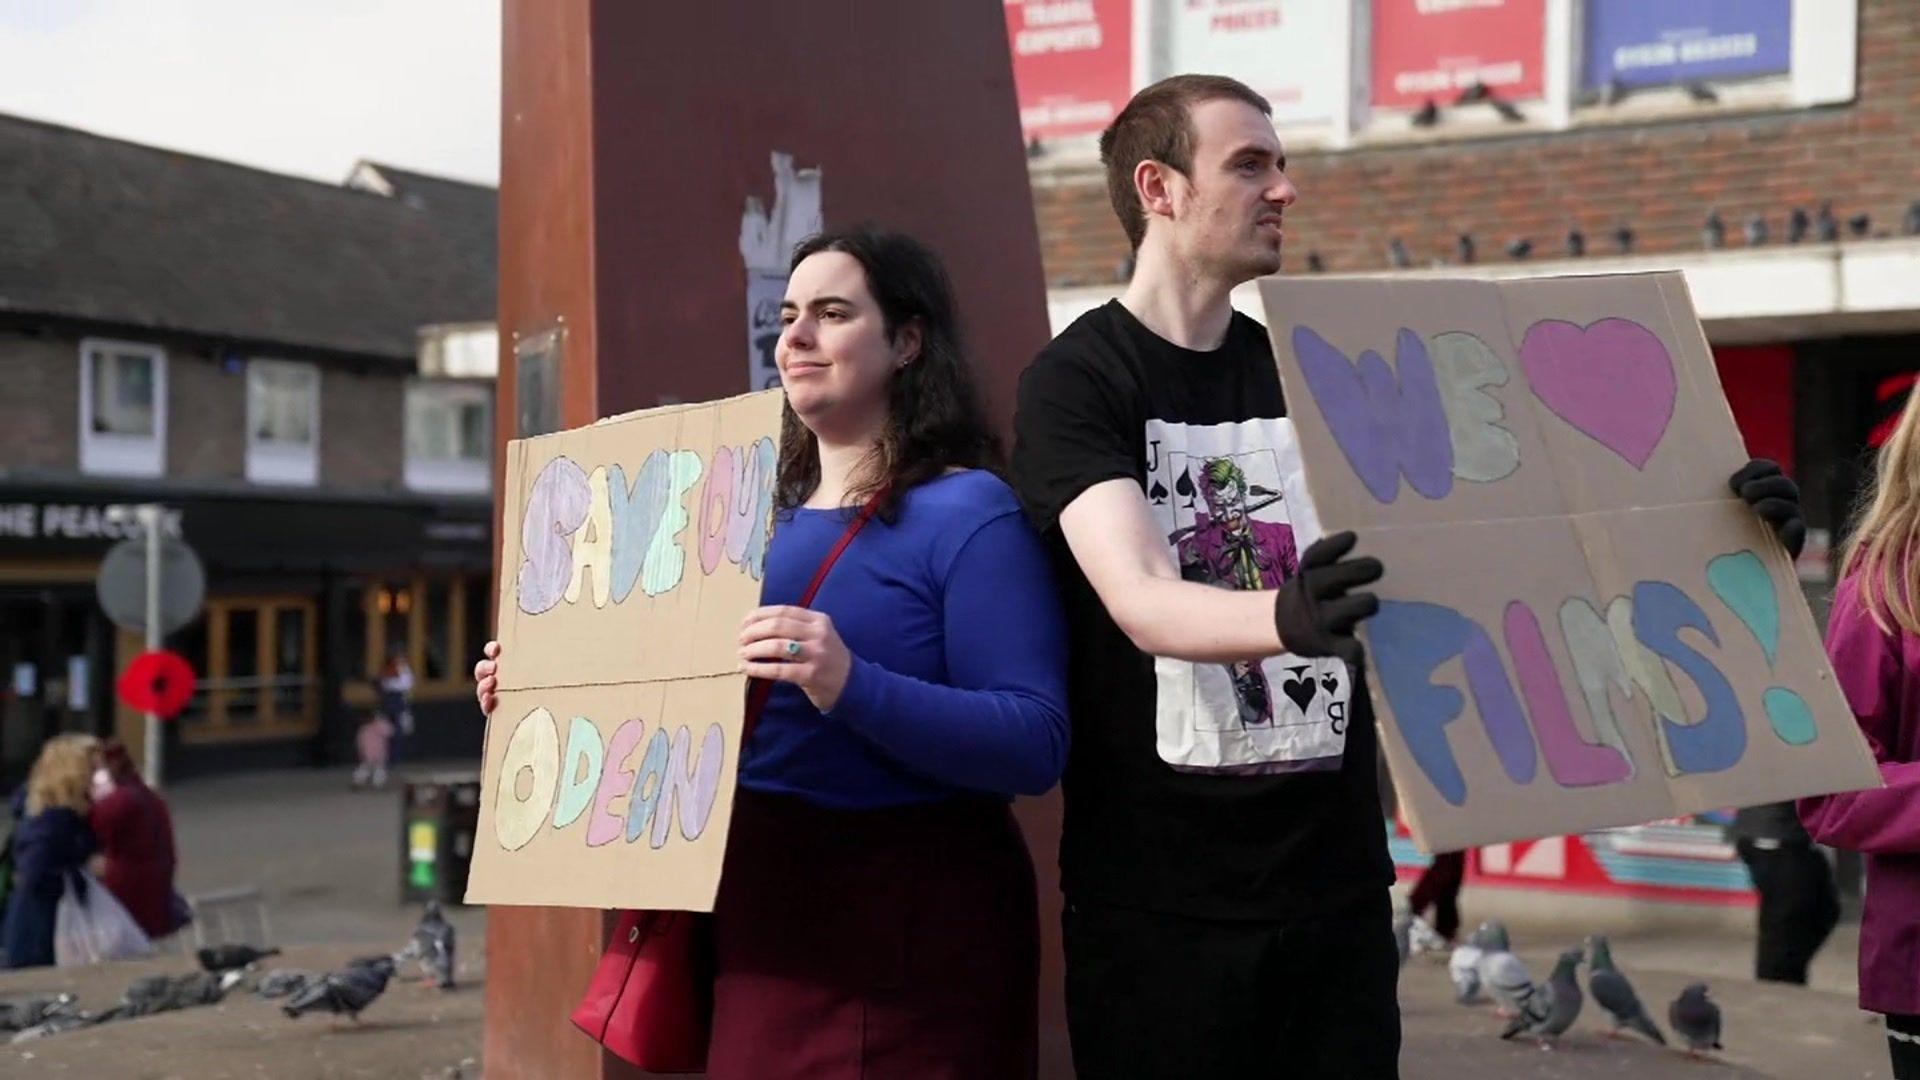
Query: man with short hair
(1224, 856)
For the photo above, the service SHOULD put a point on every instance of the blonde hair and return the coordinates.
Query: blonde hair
(62, 775)
(1885, 528)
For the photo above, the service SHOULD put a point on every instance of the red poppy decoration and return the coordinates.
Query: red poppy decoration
(158, 681)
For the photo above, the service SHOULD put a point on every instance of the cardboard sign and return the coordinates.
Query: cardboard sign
(1580, 626)
(630, 551)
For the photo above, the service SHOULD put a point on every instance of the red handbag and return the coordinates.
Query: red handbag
(650, 1000)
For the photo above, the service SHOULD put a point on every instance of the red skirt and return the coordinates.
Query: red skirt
(901, 942)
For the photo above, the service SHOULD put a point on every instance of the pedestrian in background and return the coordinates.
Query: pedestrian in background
(1873, 637)
(1438, 889)
(134, 830)
(396, 703)
(51, 842)
(1799, 903)
(374, 742)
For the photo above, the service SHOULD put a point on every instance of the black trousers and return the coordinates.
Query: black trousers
(1152, 995)
(1798, 907)
(1903, 1041)
(1439, 889)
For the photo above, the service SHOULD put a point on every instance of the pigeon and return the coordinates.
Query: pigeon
(1826, 227)
(1463, 247)
(229, 957)
(1502, 975)
(1910, 225)
(1520, 248)
(432, 945)
(21, 1015)
(1428, 115)
(385, 963)
(1797, 225)
(1713, 234)
(1612, 992)
(1696, 1019)
(1756, 230)
(1623, 238)
(1860, 224)
(1463, 967)
(348, 991)
(1701, 92)
(1576, 243)
(276, 984)
(1548, 1011)
(1507, 110)
(1398, 257)
(1316, 264)
(166, 993)
(55, 1024)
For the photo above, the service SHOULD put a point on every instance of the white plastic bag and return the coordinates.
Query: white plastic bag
(89, 929)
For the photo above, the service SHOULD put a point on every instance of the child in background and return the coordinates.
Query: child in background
(375, 742)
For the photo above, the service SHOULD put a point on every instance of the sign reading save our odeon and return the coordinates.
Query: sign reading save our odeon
(1580, 626)
(630, 551)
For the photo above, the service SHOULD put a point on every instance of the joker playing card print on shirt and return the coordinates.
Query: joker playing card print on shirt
(1232, 502)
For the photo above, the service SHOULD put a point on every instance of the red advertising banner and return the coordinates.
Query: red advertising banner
(1072, 63)
(1436, 48)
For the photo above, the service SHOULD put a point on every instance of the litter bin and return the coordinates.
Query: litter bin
(439, 814)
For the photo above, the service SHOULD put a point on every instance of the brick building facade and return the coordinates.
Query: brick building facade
(241, 349)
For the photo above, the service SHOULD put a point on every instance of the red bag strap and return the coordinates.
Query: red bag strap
(763, 688)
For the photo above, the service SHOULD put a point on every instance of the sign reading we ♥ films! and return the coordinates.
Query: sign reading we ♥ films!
(1580, 626)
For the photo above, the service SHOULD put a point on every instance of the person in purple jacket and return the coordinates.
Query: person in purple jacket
(1873, 637)
(877, 914)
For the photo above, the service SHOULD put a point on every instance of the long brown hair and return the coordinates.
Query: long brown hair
(934, 418)
(1885, 528)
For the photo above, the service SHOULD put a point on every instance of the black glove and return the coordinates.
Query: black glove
(1776, 498)
(1314, 613)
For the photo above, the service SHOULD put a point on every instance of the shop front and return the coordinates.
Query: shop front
(308, 598)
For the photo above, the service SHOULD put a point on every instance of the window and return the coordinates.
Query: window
(426, 619)
(260, 678)
(449, 436)
(123, 408)
(283, 422)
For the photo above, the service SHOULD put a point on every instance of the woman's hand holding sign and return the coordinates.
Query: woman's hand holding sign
(486, 678)
(796, 645)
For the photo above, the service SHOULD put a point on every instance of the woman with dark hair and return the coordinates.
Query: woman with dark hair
(876, 915)
(135, 830)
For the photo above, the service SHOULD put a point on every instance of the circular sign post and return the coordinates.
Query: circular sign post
(153, 585)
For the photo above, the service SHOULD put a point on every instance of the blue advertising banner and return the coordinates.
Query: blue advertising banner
(1648, 44)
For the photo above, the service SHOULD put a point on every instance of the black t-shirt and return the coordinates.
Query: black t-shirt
(1216, 790)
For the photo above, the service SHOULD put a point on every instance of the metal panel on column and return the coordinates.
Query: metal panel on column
(633, 137)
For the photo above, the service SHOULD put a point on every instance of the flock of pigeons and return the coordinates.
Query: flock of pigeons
(1485, 969)
(345, 992)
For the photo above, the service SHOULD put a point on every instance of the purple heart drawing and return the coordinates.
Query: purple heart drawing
(1612, 379)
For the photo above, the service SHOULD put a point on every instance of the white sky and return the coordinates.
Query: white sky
(296, 86)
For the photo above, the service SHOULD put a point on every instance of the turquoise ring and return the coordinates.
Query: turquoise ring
(793, 648)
